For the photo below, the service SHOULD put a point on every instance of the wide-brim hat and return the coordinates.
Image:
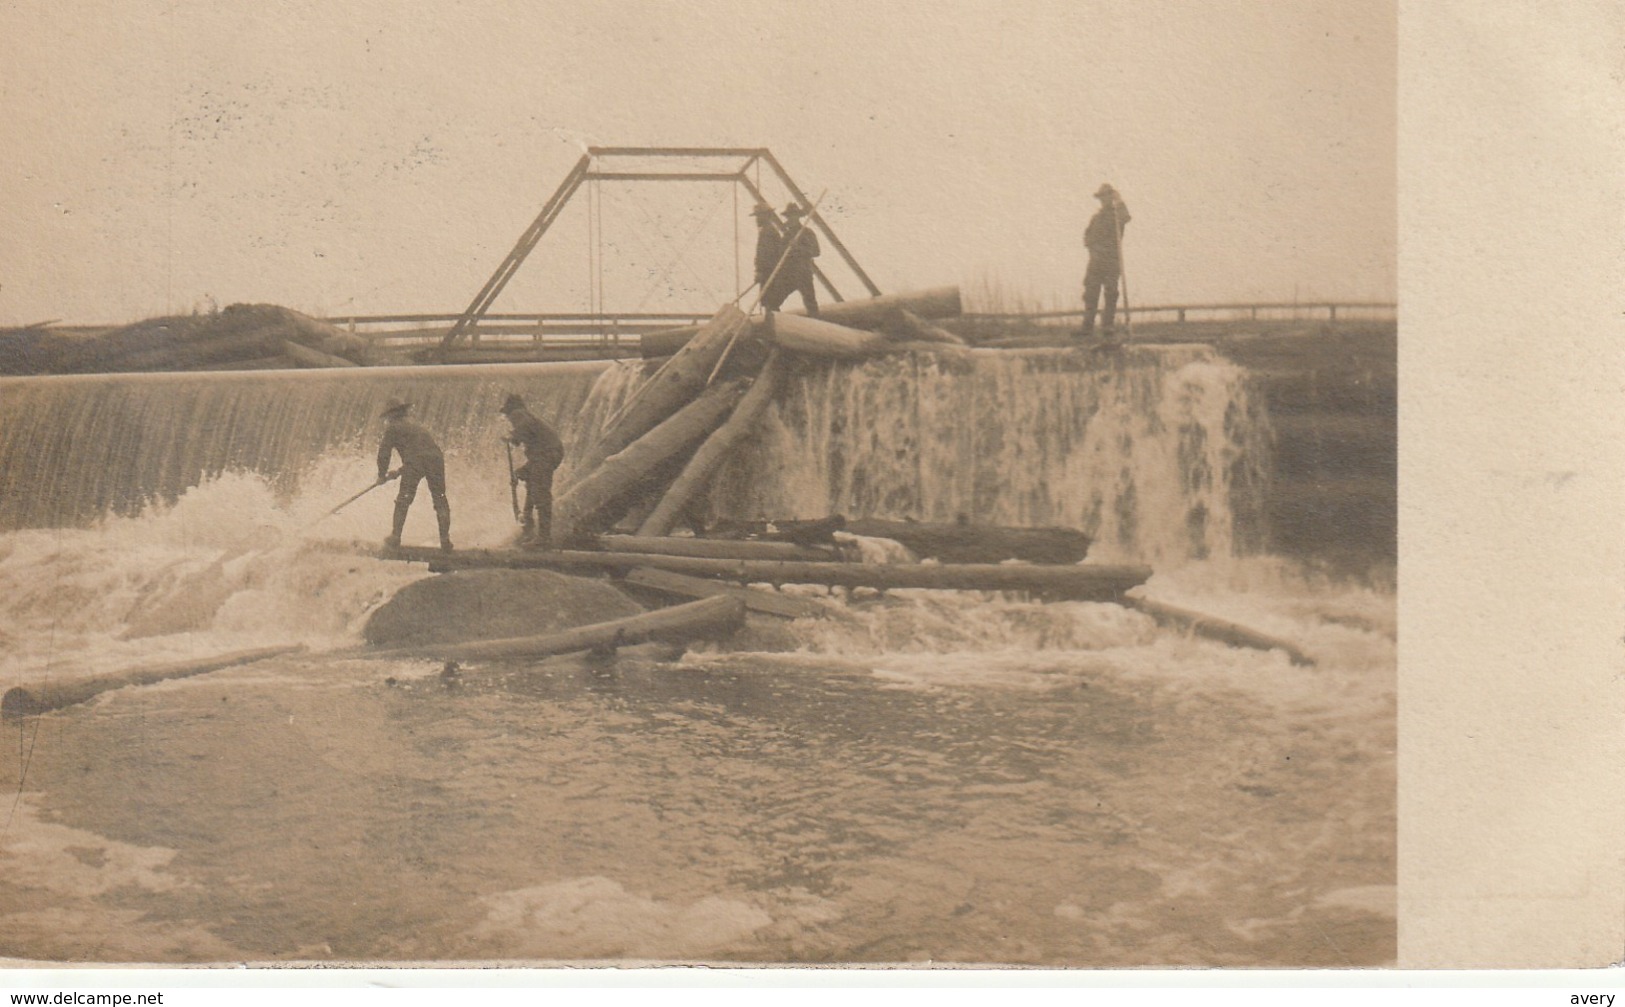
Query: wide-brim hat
(1104, 191)
(513, 402)
(395, 406)
(794, 210)
(763, 210)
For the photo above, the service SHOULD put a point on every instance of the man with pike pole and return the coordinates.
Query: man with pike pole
(1104, 240)
(543, 453)
(420, 459)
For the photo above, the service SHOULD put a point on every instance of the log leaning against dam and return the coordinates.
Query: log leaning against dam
(1081, 582)
(870, 313)
(598, 499)
(708, 619)
(677, 382)
(29, 699)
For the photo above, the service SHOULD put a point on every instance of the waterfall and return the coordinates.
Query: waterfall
(1160, 453)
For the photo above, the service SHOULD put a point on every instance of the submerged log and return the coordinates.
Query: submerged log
(674, 385)
(696, 475)
(26, 700)
(974, 543)
(714, 548)
(1215, 628)
(825, 339)
(699, 620)
(755, 599)
(597, 499)
(870, 313)
(1088, 581)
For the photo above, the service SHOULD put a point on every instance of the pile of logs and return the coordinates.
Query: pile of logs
(240, 337)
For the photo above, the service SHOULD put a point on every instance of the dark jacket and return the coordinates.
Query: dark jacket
(418, 449)
(769, 243)
(1098, 237)
(543, 449)
(798, 265)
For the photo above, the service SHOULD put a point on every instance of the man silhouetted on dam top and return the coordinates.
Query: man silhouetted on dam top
(769, 244)
(543, 453)
(796, 272)
(1104, 240)
(420, 459)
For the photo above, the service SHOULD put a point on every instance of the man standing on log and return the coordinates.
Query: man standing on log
(543, 453)
(769, 244)
(420, 459)
(796, 274)
(1104, 240)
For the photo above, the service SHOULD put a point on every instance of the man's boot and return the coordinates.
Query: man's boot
(394, 540)
(443, 517)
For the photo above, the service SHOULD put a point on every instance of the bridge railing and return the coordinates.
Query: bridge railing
(1219, 312)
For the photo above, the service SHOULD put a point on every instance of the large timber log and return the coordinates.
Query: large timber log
(597, 498)
(675, 384)
(907, 327)
(711, 618)
(1087, 581)
(818, 337)
(1215, 628)
(756, 600)
(977, 543)
(716, 548)
(27, 700)
(696, 475)
(870, 313)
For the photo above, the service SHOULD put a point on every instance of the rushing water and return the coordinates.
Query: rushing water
(924, 776)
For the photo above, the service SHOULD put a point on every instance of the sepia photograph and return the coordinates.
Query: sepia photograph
(739, 482)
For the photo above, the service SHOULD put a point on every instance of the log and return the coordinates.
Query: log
(30, 699)
(697, 620)
(1085, 581)
(590, 504)
(324, 336)
(905, 326)
(696, 475)
(715, 548)
(870, 313)
(973, 543)
(304, 356)
(673, 386)
(824, 339)
(1215, 628)
(755, 599)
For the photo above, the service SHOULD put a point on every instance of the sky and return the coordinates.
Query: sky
(362, 158)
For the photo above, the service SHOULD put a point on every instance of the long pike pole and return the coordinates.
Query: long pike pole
(388, 478)
(513, 484)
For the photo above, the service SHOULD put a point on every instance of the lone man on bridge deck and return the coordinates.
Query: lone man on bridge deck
(1104, 240)
(543, 453)
(420, 459)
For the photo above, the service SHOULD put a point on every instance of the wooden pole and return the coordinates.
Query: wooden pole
(698, 620)
(756, 600)
(1215, 628)
(39, 697)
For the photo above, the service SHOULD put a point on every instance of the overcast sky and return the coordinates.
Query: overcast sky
(354, 158)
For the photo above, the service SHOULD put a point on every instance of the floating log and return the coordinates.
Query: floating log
(974, 543)
(696, 475)
(825, 339)
(870, 313)
(27, 700)
(715, 548)
(674, 385)
(304, 356)
(755, 599)
(590, 504)
(697, 620)
(1215, 628)
(1088, 581)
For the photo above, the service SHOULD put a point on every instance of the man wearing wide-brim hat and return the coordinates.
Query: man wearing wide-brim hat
(796, 271)
(769, 243)
(1104, 240)
(420, 459)
(543, 453)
